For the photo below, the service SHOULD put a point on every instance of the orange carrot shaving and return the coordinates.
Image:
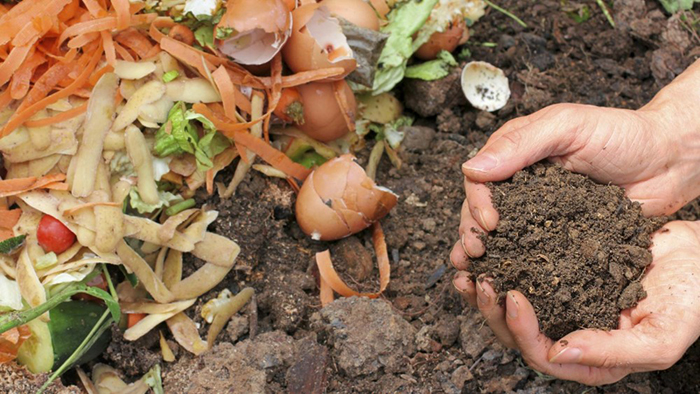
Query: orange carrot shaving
(13, 62)
(83, 39)
(210, 181)
(27, 113)
(226, 91)
(31, 32)
(123, 14)
(182, 33)
(108, 44)
(290, 107)
(56, 186)
(187, 55)
(333, 280)
(94, 8)
(271, 155)
(63, 116)
(90, 26)
(242, 152)
(8, 219)
(10, 342)
(99, 73)
(20, 81)
(123, 53)
(5, 98)
(134, 318)
(24, 13)
(12, 187)
(135, 41)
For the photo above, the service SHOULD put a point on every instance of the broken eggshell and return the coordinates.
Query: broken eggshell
(485, 86)
(317, 41)
(447, 40)
(258, 30)
(338, 200)
(356, 12)
(323, 117)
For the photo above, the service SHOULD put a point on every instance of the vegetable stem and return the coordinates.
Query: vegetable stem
(179, 207)
(606, 12)
(508, 13)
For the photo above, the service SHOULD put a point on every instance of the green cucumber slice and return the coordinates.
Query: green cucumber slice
(70, 324)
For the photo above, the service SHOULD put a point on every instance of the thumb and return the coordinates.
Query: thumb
(519, 147)
(642, 347)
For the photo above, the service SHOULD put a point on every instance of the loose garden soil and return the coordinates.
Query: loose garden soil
(421, 336)
(575, 248)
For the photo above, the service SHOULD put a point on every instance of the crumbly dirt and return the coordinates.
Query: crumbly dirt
(575, 248)
(281, 345)
(15, 379)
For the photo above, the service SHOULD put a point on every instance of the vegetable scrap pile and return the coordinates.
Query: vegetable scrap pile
(114, 113)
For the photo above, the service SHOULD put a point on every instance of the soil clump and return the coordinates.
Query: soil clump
(576, 249)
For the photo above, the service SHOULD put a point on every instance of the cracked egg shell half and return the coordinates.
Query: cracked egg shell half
(259, 29)
(338, 199)
(356, 12)
(323, 117)
(447, 40)
(485, 86)
(317, 42)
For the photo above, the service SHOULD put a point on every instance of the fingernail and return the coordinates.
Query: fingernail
(512, 306)
(569, 355)
(481, 294)
(461, 276)
(479, 217)
(481, 163)
(464, 246)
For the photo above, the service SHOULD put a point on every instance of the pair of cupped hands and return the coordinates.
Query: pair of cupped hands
(654, 154)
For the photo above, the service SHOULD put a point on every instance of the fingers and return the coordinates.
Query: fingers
(469, 231)
(515, 146)
(480, 206)
(535, 347)
(494, 313)
(463, 284)
(644, 347)
(458, 257)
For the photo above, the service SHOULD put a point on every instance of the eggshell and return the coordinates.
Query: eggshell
(338, 200)
(354, 11)
(485, 86)
(261, 28)
(323, 120)
(308, 51)
(447, 40)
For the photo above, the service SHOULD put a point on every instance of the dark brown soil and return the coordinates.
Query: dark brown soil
(575, 248)
(289, 344)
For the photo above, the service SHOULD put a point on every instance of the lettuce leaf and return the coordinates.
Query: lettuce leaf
(166, 199)
(433, 69)
(179, 135)
(404, 21)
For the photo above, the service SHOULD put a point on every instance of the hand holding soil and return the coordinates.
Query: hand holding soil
(652, 153)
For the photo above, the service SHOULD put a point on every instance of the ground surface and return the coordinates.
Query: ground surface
(576, 248)
(421, 337)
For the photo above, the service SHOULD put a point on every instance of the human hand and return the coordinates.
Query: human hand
(642, 151)
(651, 336)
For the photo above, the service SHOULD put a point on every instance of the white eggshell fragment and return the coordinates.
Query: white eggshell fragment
(485, 86)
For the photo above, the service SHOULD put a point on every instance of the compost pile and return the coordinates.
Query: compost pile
(575, 248)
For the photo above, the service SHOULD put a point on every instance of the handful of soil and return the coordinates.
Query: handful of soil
(576, 249)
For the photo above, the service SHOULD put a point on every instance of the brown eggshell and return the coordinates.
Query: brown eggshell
(323, 119)
(356, 12)
(338, 200)
(315, 217)
(302, 52)
(447, 40)
(244, 15)
(381, 7)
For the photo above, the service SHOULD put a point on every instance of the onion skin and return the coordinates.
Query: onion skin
(356, 12)
(302, 53)
(338, 200)
(323, 120)
(447, 40)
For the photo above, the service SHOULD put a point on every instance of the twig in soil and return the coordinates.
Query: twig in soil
(506, 13)
(606, 12)
(253, 315)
